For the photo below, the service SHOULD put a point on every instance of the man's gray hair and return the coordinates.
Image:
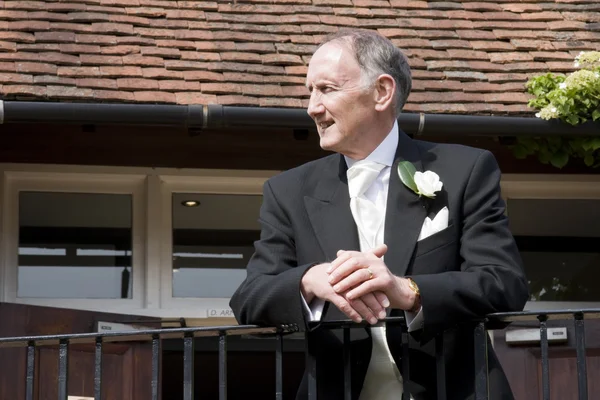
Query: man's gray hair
(377, 55)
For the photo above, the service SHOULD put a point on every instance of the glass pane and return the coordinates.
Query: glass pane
(559, 241)
(75, 245)
(213, 236)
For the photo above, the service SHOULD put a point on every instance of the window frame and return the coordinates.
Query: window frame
(550, 187)
(58, 180)
(219, 182)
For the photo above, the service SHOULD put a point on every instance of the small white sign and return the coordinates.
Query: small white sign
(79, 398)
(219, 313)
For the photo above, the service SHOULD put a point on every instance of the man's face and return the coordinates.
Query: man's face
(341, 104)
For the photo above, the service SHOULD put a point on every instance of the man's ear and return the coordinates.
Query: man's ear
(385, 87)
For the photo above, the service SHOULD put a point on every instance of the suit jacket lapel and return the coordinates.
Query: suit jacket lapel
(405, 211)
(329, 213)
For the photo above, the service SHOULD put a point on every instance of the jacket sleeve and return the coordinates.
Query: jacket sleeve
(490, 277)
(270, 295)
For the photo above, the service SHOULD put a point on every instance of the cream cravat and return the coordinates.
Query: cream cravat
(383, 380)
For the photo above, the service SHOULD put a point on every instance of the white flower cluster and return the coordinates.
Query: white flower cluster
(547, 112)
(587, 59)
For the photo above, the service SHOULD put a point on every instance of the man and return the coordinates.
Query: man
(346, 237)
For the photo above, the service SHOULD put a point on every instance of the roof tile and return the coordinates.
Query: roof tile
(137, 84)
(36, 68)
(96, 83)
(89, 59)
(24, 91)
(238, 100)
(161, 73)
(195, 98)
(114, 95)
(79, 72)
(241, 77)
(527, 44)
(199, 56)
(203, 76)
(504, 58)
(282, 59)
(154, 97)
(7, 66)
(221, 88)
(54, 80)
(281, 102)
(124, 71)
(144, 61)
(68, 92)
(15, 78)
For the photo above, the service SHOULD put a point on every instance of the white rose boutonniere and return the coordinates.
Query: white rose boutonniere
(422, 183)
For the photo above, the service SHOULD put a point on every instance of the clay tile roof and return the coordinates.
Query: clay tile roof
(467, 56)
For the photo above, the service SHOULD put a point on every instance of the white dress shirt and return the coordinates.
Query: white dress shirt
(378, 194)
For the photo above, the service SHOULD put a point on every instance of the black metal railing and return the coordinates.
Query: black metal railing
(188, 334)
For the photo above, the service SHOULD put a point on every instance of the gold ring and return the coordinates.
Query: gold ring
(370, 273)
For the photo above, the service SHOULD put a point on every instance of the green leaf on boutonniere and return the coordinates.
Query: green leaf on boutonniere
(406, 171)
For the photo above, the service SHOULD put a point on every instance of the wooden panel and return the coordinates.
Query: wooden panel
(126, 369)
(522, 364)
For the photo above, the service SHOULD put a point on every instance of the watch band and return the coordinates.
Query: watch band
(415, 288)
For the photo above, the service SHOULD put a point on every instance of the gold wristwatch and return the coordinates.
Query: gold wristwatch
(413, 286)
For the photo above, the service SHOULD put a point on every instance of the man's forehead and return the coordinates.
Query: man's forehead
(330, 59)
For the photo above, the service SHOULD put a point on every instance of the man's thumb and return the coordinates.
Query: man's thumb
(380, 250)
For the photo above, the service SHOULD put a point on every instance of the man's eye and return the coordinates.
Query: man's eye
(326, 89)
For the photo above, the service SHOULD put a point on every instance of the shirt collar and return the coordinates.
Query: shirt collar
(385, 152)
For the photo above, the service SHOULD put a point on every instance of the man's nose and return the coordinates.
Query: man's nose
(315, 106)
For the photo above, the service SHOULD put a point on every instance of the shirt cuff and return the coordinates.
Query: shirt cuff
(315, 310)
(414, 321)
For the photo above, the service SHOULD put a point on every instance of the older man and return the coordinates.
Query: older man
(350, 236)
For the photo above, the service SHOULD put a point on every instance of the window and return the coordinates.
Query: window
(554, 221)
(213, 236)
(75, 245)
(121, 239)
(73, 239)
(559, 246)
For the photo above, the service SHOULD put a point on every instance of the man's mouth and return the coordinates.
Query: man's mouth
(325, 125)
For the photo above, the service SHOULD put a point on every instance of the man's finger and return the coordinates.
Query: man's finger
(382, 299)
(342, 257)
(344, 306)
(364, 288)
(347, 268)
(354, 279)
(360, 306)
(380, 250)
(373, 303)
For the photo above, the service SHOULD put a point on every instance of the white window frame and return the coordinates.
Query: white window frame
(16, 179)
(218, 182)
(551, 187)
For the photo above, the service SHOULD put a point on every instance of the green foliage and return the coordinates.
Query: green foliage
(573, 99)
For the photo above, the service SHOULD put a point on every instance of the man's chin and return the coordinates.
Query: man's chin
(328, 145)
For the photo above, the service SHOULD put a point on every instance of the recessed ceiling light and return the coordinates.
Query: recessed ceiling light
(190, 203)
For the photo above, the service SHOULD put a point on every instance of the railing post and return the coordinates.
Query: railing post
(279, 367)
(63, 368)
(545, 361)
(405, 361)
(440, 366)
(98, 370)
(581, 358)
(30, 370)
(347, 365)
(188, 366)
(311, 366)
(155, 366)
(222, 365)
(481, 362)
